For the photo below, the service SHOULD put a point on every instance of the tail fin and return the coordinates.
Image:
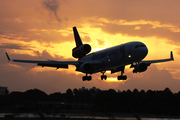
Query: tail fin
(81, 49)
(77, 38)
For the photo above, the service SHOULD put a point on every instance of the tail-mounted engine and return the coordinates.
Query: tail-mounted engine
(81, 51)
(141, 67)
(85, 68)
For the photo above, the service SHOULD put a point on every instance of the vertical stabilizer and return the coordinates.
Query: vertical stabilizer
(77, 38)
(81, 49)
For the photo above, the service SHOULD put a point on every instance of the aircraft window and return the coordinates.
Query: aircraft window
(137, 46)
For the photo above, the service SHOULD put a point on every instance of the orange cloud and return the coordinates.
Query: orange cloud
(42, 30)
(155, 24)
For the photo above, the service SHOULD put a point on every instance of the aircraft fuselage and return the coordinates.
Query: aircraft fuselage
(117, 56)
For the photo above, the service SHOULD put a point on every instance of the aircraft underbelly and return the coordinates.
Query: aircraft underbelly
(112, 63)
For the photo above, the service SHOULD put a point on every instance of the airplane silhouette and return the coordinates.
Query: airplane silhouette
(114, 59)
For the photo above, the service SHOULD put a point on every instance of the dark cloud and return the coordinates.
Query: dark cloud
(8, 38)
(39, 56)
(14, 46)
(49, 37)
(53, 6)
(41, 36)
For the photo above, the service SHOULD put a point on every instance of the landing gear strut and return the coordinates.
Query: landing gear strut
(122, 77)
(88, 78)
(103, 76)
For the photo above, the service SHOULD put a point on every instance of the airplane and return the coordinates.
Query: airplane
(112, 59)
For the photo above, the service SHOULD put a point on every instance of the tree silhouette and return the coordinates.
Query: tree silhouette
(55, 97)
(34, 95)
(69, 95)
(162, 102)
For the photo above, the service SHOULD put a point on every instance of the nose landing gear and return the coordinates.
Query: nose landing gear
(103, 77)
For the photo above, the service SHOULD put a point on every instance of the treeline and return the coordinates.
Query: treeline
(152, 102)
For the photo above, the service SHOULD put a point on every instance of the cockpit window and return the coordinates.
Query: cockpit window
(137, 46)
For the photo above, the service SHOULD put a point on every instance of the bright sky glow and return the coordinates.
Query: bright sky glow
(30, 30)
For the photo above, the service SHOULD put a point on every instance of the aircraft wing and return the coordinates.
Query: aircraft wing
(57, 64)
(161, 60)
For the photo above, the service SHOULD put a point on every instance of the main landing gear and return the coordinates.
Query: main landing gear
(122, 77)
(103, 76)
(88, 78)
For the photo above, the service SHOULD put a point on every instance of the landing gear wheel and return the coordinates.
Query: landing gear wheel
(122, 77)
(84, 78)
(119, 77)
(125, 77)
(134, 71)
(88, 78)
(103, 77)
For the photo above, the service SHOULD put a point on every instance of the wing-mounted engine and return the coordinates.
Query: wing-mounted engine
(141, 67)
(79, 52)
(85, 68)
(89, 67)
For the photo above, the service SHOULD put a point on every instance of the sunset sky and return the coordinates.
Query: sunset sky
(42, 30)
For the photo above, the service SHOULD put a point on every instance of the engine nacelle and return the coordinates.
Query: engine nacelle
(81, 51)
(140, 68)
(85, 68)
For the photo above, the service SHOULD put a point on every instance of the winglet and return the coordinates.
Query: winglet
(8, 56)
(172, 58)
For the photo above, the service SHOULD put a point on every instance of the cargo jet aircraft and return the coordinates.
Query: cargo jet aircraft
(114, 59)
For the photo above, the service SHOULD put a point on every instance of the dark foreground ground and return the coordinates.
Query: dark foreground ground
(77, 116)
(91, 104)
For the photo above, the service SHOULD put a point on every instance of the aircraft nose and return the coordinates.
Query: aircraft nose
(142, 52)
